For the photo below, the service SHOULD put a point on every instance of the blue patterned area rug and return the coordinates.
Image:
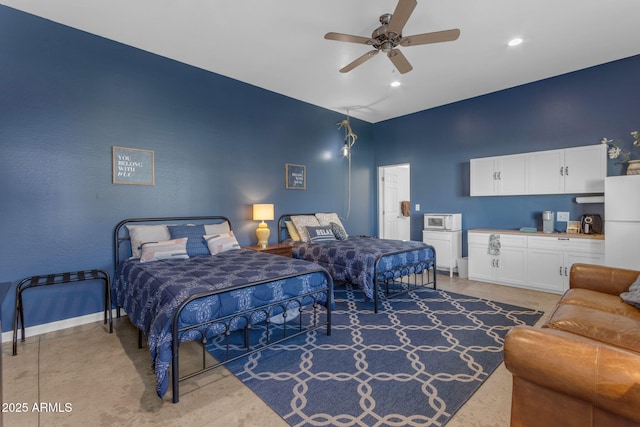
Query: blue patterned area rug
(415, 363)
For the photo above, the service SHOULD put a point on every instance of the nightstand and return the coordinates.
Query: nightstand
(275, 249)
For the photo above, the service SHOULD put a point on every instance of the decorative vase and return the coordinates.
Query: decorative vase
(633, 168)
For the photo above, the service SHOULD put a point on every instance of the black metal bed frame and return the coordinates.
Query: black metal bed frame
(309, 299)
(390, 280)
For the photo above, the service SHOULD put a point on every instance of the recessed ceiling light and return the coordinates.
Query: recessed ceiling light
(515, 42)
(395, 83)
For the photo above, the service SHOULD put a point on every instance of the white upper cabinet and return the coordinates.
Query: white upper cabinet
(585, 169)
(572, 170)
(546, 172)
(566, 171)
(499, 176)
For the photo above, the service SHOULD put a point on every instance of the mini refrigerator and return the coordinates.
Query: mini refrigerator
(622, 221)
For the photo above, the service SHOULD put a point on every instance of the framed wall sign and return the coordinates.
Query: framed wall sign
(295, 177)
(133, 166)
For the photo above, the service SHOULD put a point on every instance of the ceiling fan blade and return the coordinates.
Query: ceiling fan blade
(400, 61)
(426, 38)
(401, 15)
(347, 38)
(359, 61)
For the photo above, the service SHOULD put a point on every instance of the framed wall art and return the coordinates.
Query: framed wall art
(295, 177)
(133, 166)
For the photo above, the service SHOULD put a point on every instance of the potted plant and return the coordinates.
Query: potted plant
(615, 152)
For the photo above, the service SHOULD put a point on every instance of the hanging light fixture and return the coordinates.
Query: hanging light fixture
(349, 140)
(345, 149)
(349, 137)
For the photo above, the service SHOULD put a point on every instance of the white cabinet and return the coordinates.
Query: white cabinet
(502, 175)
(565, 171)
(550, 260)
(448, 246)
(506, 267)
(546, 172)
(536, 262)
(568, 171)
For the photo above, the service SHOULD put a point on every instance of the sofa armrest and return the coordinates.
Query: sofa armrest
(605, 376)
(600, 278)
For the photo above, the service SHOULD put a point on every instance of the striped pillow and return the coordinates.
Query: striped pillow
(169, 249)
(218, 243)
(195, 245)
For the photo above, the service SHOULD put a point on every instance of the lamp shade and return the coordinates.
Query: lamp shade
(263, 212)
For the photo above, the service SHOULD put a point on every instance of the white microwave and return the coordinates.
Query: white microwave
(443, 222)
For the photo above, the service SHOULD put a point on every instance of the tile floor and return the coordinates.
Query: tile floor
(89, 377)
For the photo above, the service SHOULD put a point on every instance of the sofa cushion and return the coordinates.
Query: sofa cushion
(600, 301)
(610, 328)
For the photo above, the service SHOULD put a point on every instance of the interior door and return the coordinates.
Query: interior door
(393, 188)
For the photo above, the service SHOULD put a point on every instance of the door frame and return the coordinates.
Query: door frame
(380, 184)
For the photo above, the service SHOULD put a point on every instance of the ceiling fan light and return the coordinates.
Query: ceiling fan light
(395, 83)
(515, 42)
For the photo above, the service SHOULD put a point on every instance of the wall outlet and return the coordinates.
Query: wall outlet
(563, 216)
(417, 207)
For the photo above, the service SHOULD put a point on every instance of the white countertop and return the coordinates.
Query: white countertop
(539, 233)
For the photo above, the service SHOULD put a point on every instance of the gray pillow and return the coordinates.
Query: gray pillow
(633, 295)
(338, 231)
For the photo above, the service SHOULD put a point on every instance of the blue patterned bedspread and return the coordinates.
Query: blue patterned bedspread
(151, 292)
(353, 260)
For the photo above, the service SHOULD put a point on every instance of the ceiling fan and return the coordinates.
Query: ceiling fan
(388, 37)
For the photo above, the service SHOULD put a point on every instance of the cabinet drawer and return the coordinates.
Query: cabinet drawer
(566, 244)
(506, 240)
(442, 236)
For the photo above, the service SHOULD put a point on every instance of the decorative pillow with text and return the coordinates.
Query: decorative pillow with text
(320, 234)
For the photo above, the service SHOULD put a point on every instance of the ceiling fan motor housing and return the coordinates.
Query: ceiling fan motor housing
(382, 39)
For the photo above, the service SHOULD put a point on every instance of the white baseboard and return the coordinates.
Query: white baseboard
(58, 325)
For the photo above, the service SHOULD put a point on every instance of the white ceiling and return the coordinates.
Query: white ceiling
(278, 45)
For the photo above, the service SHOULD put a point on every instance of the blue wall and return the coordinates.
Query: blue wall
(220, 145)
(67, 97)
(571, 110)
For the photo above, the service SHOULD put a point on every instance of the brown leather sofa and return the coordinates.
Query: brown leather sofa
(582, 368)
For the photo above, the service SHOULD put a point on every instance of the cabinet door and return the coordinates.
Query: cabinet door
(546, 172)
(481, 264)
(442, 243)
(512, 174)
(585, 169)
(546, 269)
(511, 264)
(571, 258)
(482, 177)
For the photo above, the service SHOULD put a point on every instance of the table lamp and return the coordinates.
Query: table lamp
(263, 212)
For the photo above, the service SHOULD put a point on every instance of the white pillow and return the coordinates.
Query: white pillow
(328, 218)
(293, 232)
(218, 243)
(169, 249)
(222, 227)
(302, 222)
(140, 234)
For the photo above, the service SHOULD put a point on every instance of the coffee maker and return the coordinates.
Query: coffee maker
(591, 224)
(548, 224)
